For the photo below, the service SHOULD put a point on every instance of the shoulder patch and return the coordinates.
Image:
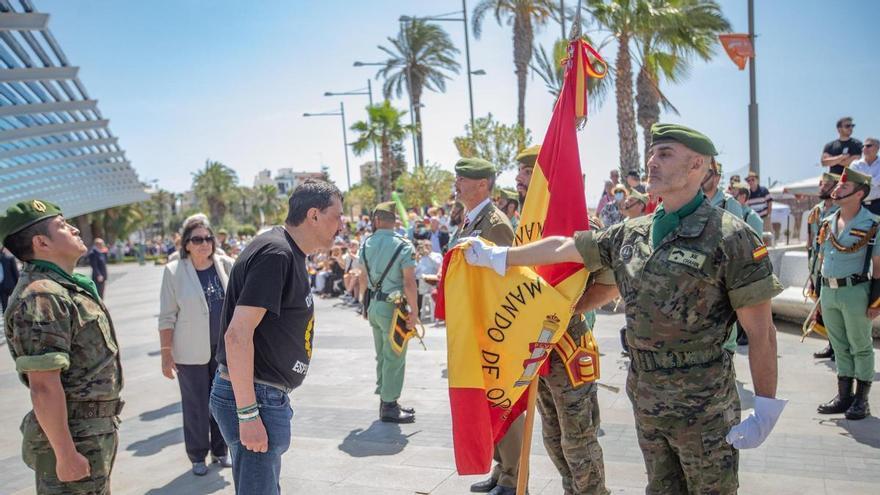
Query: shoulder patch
(760, 253)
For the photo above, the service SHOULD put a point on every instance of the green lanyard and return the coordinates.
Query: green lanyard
(78, 279)
(665, 222)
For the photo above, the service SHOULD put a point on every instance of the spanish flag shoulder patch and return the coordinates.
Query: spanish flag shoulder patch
(759, 253)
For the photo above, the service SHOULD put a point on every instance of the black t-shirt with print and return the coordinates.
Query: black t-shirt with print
(852, 146)
(271, 273)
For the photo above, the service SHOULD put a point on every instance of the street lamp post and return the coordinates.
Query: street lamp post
(369, 94)
(467, 46)
(340, 113)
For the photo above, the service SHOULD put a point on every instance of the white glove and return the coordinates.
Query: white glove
(754, 430)
(478, 253)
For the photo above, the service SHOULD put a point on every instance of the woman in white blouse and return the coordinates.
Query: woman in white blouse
(191, 306)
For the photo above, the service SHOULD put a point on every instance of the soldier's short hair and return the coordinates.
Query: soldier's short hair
(310, 194)
(21, 243)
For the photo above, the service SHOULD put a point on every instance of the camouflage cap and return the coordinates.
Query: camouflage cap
(635, 194)
(857, 178)
(828, 176)
(694, 140)
(510, 194)
(24, 214)
(389, 207)
(529, 155)
(475, 168)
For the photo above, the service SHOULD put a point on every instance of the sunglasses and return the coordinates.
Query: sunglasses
(869, 145)
(199, 240)
(848, 126)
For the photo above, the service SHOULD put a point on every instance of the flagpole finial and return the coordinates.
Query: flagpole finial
(575, 32)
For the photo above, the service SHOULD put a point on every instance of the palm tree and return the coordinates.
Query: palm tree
(419, 59)
(524, 15)
(623, 18)
(681, 30)
(213, 185)
(383, 129)
(267, 202)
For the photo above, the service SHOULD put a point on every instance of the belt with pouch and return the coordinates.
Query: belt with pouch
(852, 280)
(94, 409)
(379, 296)
(652, 361)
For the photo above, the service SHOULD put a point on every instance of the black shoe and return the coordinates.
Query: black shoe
(390, 412)
(842, 401)
(503, 490)
(484, 486)
(860, 409)
(825, 353)
(224, 460)
(402, 408)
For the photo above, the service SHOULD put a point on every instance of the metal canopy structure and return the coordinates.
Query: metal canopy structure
(54, 142)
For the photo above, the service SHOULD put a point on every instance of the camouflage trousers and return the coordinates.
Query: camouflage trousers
(100, 450)
(570, 422)
(682, 416)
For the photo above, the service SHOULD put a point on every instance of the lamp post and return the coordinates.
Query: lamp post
(467, 46)
(340, 113)
(369, 94)
(411, 113)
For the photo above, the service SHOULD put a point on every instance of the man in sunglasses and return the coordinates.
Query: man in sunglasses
(840, 153)
(869, 164)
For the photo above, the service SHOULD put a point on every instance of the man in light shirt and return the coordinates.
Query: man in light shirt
(869, 164)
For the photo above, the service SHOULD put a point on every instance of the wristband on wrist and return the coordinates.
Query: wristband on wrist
(244, 418)
(246, 409)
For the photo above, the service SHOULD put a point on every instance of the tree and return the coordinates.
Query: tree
(361, 195)
(419, 58)
(382, 129)
(213, 186)
(117, 223)
(426, 185)
(524, 15)
(551, 71)
(267, 205)
(493, 141)
(680, 31)
(622, 18)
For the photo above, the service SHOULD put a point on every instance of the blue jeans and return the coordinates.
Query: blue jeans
(254, 473)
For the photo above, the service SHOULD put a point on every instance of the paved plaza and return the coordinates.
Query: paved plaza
(339, 446)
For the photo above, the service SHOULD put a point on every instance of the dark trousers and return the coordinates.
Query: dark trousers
(4, 300)
(200, 431)
(873, 206)
(100, 286)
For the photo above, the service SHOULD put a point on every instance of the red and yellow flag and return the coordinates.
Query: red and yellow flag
(502, 328)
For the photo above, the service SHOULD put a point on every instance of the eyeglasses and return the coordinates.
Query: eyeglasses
(199, 240)
(869, 145)
(848, 126)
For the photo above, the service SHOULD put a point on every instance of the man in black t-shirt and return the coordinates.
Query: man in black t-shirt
(268, 325)
(840, 153)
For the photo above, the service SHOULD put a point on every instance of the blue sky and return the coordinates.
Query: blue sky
(183, 81)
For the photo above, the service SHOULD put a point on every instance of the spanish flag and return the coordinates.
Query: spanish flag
(502, 328)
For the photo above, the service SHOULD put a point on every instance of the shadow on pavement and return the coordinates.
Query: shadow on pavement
(155, 443)
(161, 412)
(864, 431)
(379, 439)
(190, 483)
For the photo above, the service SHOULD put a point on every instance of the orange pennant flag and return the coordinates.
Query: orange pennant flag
(738, 47)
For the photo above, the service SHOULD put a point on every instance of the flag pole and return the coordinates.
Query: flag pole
(522, 479)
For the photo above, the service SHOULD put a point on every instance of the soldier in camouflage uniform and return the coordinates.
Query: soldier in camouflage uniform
(570, 414)
(823, 208)
(686, 272)
(64, 346)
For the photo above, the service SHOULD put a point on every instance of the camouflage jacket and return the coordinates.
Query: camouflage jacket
(52, 324)
(682, 296)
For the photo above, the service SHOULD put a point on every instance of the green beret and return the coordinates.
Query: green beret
(389, 207)
(24, 214)
(694, 140)
(510, 194)
(475, 168)
(529, 155)
(830, 177)
(858, 178)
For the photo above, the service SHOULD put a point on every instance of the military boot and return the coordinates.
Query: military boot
(402, 408)
(825, 353)
(860, 408)
(843, 399)
(391, 412)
